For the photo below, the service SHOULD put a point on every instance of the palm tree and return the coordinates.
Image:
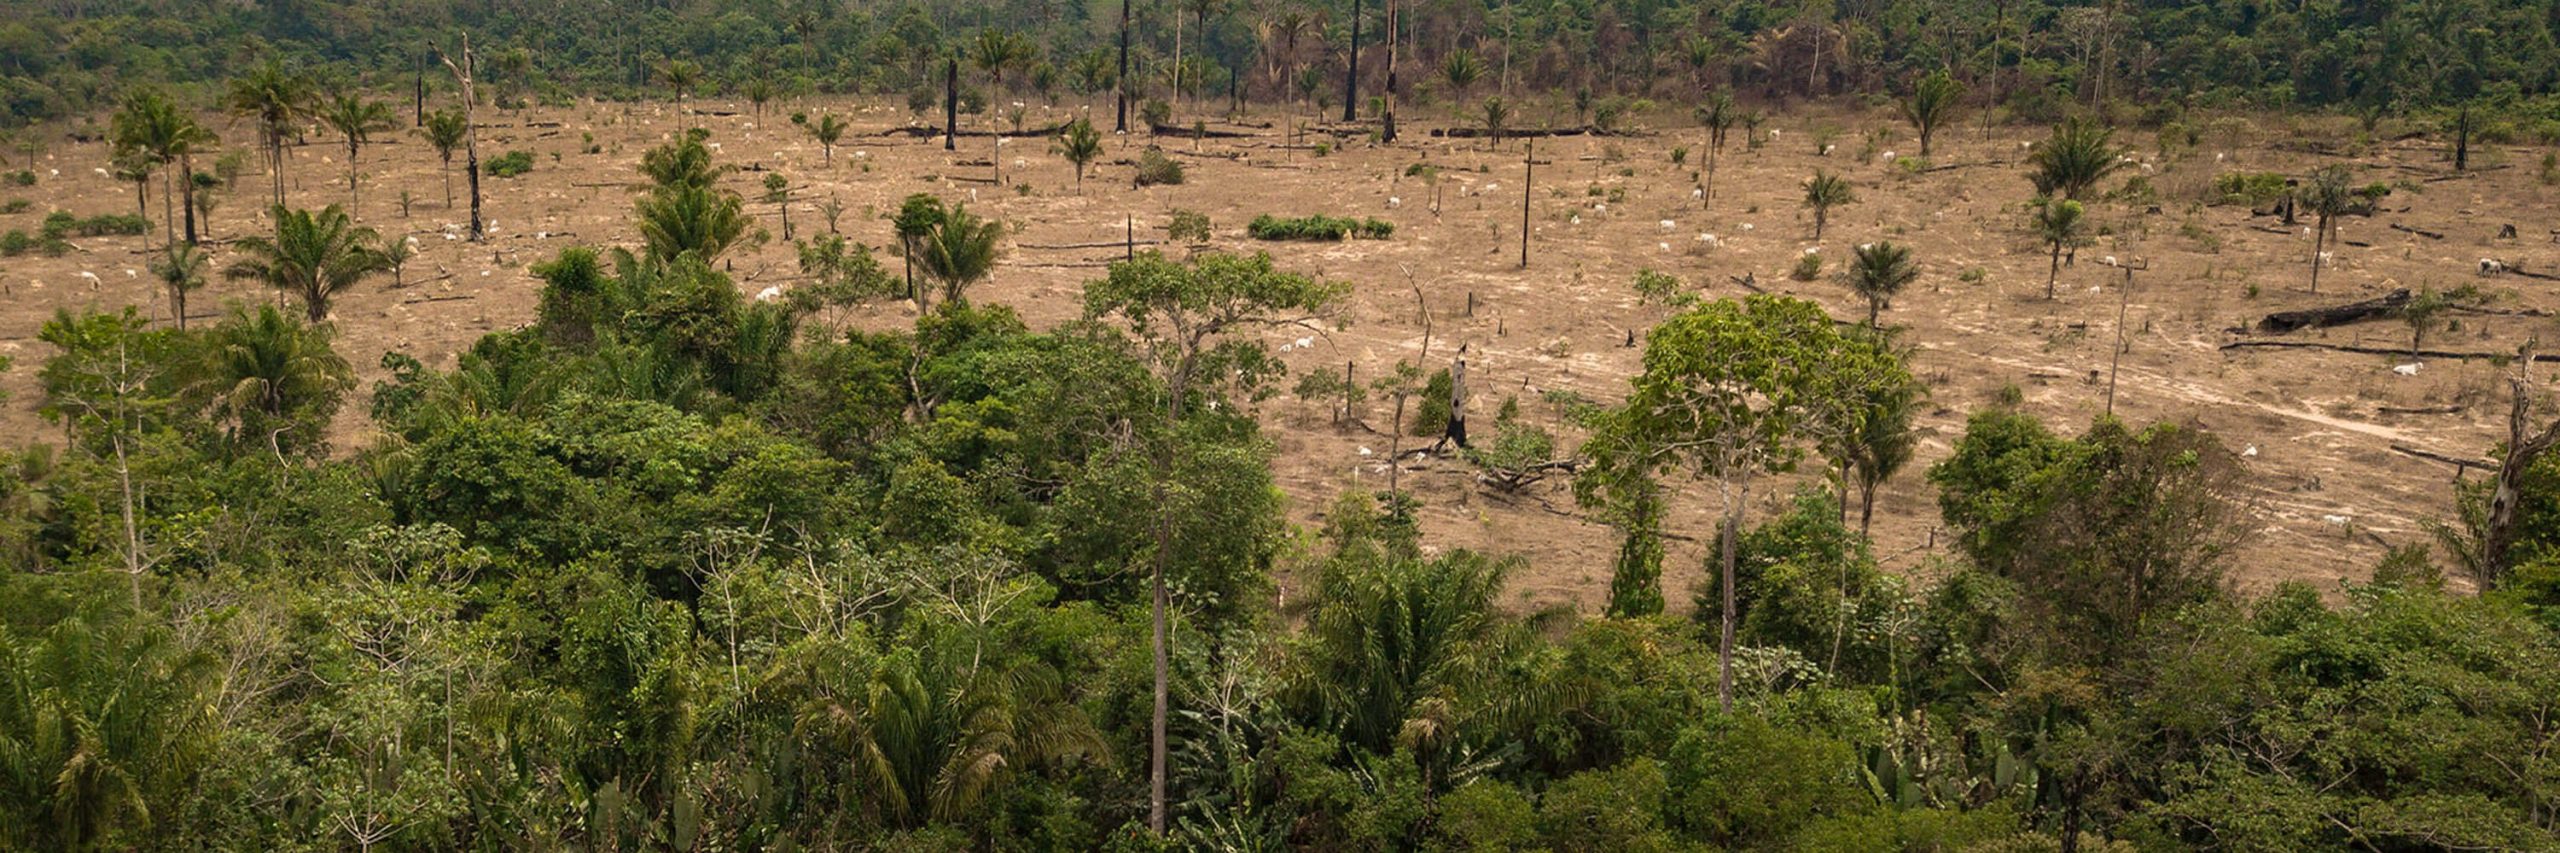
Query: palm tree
(916, 217)
(758, 90)
(1881, 270)
(959, 251)
(1080, 144)
(312, 256)
(1497, 118)
(1823, 193)
(2060, 224)
(1933, 100)
(2327, 197)
(1462, 69)
(1883, 442)
(1717, 115)
(163, 134)
(691, 219)
(445, 129)
(828, 130)
(2075, 158)
(358, 120)
(277, 99)
(681, 76)
(181, 268)
(273, 379)
(136, 166)
(996, 52)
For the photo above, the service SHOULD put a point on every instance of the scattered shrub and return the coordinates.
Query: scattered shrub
(1155, 168)
(1318, 227)
(22, 178)
(1190, 225)
(61, 223)
(508, 165)
(2250, 188)
(1808, 267)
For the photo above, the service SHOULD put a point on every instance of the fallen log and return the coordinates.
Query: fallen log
(1105, 244)
(2393, 351)
(2417, 410)
(1198, 133)
(2431, 235)
(1525, 133)
(2389, 304)
(929, 132)
(2455, 461)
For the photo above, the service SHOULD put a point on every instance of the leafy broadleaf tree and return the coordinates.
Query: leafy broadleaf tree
(1187, 317)
(312, 256)
(1733, 390)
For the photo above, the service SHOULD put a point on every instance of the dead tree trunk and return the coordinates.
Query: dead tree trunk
(2522, 452)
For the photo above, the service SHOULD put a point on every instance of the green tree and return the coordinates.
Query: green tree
(357, 120)
(1081, 145)
(1497, 119)
(2327, 197)
(1730, 391)
(277, 99)
(1461, 69)
(1881, 270)
(699, 220)
(2060, 224)
(1932, 102)
(828, 130)
(161, 133)
(312, 256)
(1718, 116)
(446, 131)
(681, 76)
(272, 381)
(181, 269)
(959, 251)
(917, 217)
(1183, 314)
(1824, 192)
(996, 51)
(2078, 155)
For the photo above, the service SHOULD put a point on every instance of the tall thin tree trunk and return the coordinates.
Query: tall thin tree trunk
(1387, 132)
(355, 206)
(2319, 243)
(1351, 75)
(951, 105)
(1121, 83)
(1161, 603)
(187, 198)
(1724, 634)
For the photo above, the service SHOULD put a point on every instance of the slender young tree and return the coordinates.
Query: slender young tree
(1717, 115)
(2327, 197)
(1824, 192)
(1182, 314)
(446, 131)
(2060, 224)
(357, 120)
(181, 269)
(1081, 145)
(828, 130)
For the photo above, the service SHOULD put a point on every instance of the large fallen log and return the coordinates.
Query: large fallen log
(2397, 351)
(930, 132)
(1181, 132)
(2431, 235)
(2386, 305)
(1530, 132)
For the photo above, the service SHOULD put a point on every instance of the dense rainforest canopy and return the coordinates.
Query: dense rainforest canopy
(2038, 57)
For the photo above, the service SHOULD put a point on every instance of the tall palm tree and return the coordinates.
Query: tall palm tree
(358, 120)
(446, 129)
(181, 268)
(1932, 102)
(2078, 155)
(1880, 270)
(2060, 224)
(277, 99)
(1824, 192)
(691, 219)
(1080, 144)
(959, 251)
(153, 127)
(273, 380)
(1718, 116)
(2327, 197)
(136, 166)
(995, 52)
(681, 76)
(312, 256)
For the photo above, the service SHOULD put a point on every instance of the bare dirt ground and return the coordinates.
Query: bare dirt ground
(2330, 490)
